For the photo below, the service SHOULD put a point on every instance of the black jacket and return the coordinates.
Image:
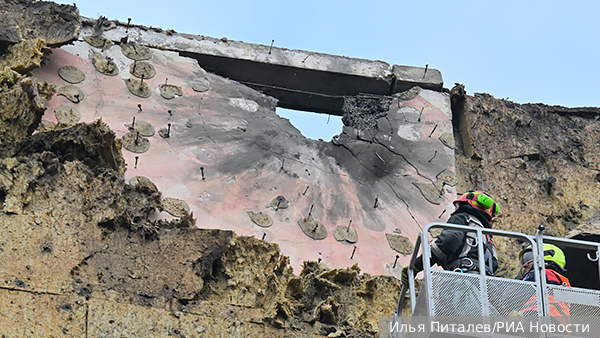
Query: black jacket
(448, 246)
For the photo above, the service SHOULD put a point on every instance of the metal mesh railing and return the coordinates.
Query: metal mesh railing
(566, 304)
(447, 295)
(455, 294)
(508, 297)
(422, 307)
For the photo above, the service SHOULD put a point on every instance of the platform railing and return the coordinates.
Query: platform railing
(448, 293)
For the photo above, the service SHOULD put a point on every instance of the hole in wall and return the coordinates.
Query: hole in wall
(313, 125)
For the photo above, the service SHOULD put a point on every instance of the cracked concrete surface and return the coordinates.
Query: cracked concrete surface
(228, 153)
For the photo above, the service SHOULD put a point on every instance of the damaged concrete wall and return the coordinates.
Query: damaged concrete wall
(98, 217)
(540, 163)
(99, 221)
(220, 147)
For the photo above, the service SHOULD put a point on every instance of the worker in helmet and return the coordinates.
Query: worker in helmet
(456, 250)
(555, 262)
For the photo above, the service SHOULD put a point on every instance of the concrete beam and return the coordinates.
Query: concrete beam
(300, 80)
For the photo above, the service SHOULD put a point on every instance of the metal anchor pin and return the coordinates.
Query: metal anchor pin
(434, 155)
(433, 130)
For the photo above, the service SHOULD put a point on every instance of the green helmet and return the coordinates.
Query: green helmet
(552, 253)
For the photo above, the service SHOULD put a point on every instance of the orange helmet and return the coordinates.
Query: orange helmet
(479, 200)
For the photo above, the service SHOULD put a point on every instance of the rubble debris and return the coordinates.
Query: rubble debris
(26, 55)
(67, 115)
(46, 125)
(71, 74)
(363, 111)
(260, 218)
(22, 105)
(8, 79)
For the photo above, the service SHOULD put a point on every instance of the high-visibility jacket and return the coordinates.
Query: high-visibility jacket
(557, 309)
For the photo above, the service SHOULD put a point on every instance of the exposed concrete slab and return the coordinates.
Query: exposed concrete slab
(408, 77)
(299, 79)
